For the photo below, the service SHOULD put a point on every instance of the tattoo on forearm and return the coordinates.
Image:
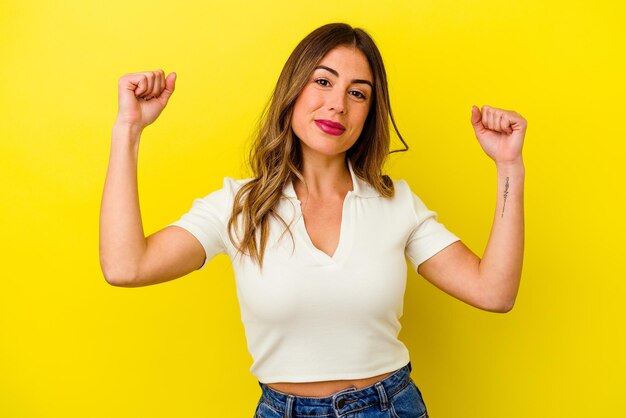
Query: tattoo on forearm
(506, 193)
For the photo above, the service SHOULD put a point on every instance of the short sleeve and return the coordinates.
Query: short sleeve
(207, 218)
(428, 236)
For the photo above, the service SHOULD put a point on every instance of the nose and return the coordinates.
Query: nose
(336, 101)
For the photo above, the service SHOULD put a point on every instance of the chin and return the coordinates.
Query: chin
(323, 149)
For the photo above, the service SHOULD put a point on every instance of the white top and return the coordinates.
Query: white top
(312, 317)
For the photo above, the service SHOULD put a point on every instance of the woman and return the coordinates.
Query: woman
(318, 236)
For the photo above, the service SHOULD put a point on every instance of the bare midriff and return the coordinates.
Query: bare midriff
(325, 388)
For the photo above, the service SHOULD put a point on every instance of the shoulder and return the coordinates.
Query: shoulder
(401, 185)
(405, 194)
(404, 190)
(224, 196)
(401, 190)
(230, 186)
(364, 189)
(233, 185)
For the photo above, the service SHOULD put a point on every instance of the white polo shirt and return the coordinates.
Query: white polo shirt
(312, 317)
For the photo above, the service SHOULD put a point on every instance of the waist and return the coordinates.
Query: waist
(391, 384)
(327, 388)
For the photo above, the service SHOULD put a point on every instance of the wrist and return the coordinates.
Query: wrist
(512, 165)
(131, 129)
(126, 133)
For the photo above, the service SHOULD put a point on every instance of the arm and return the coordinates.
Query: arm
(122, 240)
(491, 283)
(127, 257)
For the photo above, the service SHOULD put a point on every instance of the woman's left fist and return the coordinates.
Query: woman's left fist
(500, 133)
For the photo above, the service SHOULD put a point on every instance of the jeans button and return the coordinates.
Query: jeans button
(341, 402)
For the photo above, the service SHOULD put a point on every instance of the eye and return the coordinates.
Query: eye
(358, 94)
(322, 82)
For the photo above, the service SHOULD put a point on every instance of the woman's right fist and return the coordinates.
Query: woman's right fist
(143, 96)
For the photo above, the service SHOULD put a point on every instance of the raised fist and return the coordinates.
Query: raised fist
(143, 96)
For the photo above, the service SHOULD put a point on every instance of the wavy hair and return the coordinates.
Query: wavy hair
(276, 157)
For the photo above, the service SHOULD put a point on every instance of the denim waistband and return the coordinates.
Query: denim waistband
(341, 402)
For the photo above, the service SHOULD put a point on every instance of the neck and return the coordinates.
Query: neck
(325, 177)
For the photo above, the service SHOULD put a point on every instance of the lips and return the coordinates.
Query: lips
(330, 127)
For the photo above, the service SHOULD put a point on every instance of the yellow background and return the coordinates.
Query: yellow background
(73, 346)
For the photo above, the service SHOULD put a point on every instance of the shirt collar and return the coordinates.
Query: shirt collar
(359, 187)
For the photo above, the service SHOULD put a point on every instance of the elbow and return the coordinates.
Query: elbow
(501, 299)
(118, 279)
(507, 308)
(497, 303)
(117, 282)
(503, 306)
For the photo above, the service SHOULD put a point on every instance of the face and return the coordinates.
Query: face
(330, 112)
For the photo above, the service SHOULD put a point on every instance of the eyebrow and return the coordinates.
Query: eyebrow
(358, 81)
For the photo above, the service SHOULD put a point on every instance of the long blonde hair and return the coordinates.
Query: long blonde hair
(276, 157)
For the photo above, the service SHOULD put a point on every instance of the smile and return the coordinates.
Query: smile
(330, 127)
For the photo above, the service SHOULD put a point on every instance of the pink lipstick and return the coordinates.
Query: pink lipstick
(330, 127)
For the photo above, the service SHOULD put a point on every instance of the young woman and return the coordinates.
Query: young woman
(319, 235)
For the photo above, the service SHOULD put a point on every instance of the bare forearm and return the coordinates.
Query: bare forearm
(122, 240)
(501, 265)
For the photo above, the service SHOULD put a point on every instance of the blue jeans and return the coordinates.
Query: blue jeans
(396, 396)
